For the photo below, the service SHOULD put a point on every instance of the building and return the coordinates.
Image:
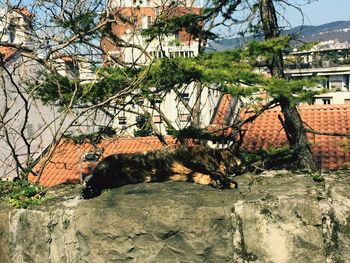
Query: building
(132, 17)
(16, 26)
(74, 67)
(27, 126)
(328, 60)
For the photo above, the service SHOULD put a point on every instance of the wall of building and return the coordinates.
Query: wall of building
(31, 131)
(173, 109)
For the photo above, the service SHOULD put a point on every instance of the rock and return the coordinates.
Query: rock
(279, 217)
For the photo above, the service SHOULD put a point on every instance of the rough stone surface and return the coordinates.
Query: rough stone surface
(273, 217)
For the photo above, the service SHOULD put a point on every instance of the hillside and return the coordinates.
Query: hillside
(336, 30)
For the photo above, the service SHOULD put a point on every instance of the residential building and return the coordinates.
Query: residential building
(27, 126)
(328, 60)
(74, 66)
(16, 26)
(132, 17)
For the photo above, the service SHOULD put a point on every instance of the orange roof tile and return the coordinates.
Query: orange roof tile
(66, 163)
(219, 122)
(24, 11)
(7, 52)
(222, 109)
(329, 151)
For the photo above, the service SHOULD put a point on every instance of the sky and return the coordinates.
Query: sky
(317, 13)
(321, 12)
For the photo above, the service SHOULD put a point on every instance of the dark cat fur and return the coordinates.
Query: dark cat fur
(157, 166)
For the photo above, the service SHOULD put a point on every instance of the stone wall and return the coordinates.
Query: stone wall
(271, 218)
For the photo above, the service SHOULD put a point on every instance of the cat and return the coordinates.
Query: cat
(198, 164)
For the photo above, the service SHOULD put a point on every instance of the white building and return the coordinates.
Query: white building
(15, 26)
(27, 126)
(328, 60)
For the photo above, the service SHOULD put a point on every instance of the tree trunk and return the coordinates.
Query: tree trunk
(293, 124)
(196, 110)
(295, 131)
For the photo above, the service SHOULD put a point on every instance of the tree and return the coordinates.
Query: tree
(292, 122)
(281, 91)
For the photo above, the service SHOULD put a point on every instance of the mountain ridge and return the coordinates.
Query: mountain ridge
(339, 30)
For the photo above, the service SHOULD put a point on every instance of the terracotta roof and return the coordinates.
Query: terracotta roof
(7, 52)
(24, 11)
(67, 163)
(222, 114)
(222, 109)
(330, 152)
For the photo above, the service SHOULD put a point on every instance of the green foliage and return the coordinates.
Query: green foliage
(272, 158)
(111, 81)
(143, 126)
(295, 90)
(308, 46)
(232, 71)
(263, 51)
(251, 157)
(194, 133)
(228, 72)
(55, 89)
(317, 177)
(21, 193)
(166, 25)
(167, 74)
(187, 133)
(63, 91)
(277, 157)
(80, 23)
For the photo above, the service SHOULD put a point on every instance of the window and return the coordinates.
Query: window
(184, 117)
(157, 119)
(144, 22)
(185, 96)
(73, 69)
(148, 2)
(135, 21)
(122, 120)
(157, 11)
(149, 21)
(325, 84)
(347, 80)
(30, 131)
(326, 101)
